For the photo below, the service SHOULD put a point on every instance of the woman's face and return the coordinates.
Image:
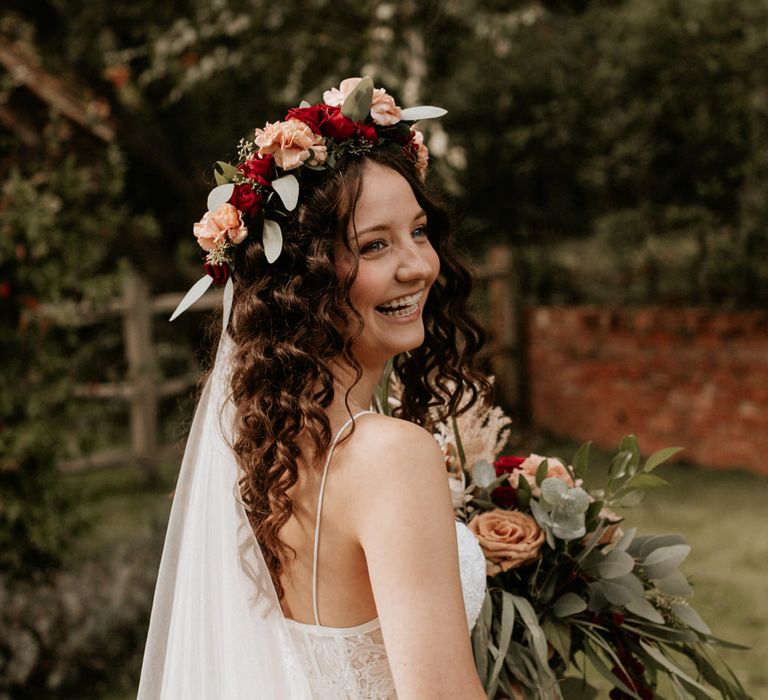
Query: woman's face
(397, 265)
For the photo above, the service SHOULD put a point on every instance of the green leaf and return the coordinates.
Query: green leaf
(675, 584)
(524, 494)
(660, 457)
(577, 689)
(531, 622)
(656, 655)
(619, 464)
(646, 481)
(629, 444)
(558, 635)
(605, 672)
(643, 608)
(481, 637)
(664, 560)
(505, 636)
(541, 472)
(691, 618)
(357, 105)
(616, 593)
(225, 171)
(581, 460)
(645, 544)
(568, 604)
(459, 445)
(614, 564)
(631, 499)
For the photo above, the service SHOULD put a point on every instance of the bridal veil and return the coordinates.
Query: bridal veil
(217, 631)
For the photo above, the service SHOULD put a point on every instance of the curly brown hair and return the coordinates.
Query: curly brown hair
(290, 320)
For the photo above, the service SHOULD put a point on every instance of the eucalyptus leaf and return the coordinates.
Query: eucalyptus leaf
(272, 239)
(643, 545)
(633, 584)
(483, 473)
(287, 187)
(413, 114)
(675, 584)
(505, 635)
(614, 564)
(660, 457)
(558, 635)
(646, 481)
(568, 604)
(219, 196)
(691, 618)
(657, 656)
(531, 622)
(357, 105)
(577, 689)
(198, 289)
(664, 560)
(616, 593)
(642, 607)
(481, 639)
(597, 598)
(605, 672)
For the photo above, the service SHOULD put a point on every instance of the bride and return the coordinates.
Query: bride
(311, 550)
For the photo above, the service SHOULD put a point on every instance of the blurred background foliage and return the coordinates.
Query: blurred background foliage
(620, 145)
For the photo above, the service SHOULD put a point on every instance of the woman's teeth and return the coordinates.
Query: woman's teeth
(405, 306)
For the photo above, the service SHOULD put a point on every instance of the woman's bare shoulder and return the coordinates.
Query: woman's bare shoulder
(390, 442)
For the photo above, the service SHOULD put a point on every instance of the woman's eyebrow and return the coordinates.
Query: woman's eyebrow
(385, 227)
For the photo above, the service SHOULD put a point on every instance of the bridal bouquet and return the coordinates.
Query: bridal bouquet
(568, 585)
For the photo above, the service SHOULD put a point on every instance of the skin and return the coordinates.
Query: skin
(388, 542)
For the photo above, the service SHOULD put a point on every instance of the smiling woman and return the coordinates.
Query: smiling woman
(359, 271)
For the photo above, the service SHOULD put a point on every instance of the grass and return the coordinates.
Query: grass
(721, 513)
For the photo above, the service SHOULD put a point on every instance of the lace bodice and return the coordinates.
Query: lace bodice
(351, 663)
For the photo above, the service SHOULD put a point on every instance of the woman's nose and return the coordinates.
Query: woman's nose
(416, 262)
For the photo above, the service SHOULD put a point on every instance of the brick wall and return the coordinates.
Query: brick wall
(695, 378)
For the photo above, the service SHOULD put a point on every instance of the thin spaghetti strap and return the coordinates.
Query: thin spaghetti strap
(320, 509)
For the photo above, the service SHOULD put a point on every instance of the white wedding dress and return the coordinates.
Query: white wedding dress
(350, 663)
(217, 631)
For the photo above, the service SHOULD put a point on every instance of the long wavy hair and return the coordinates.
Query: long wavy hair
(291, 319)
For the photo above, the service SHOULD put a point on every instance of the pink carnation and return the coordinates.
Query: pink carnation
(384, 111)
(218, 227)
(289, 142)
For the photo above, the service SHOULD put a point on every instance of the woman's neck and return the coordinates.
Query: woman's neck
(359, 394)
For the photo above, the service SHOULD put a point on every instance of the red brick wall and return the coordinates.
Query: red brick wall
(694, 378)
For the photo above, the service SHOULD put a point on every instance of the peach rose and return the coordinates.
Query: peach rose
(528, 469)
(508, 538)
(289, 142)
(217, 227)
(384, 111)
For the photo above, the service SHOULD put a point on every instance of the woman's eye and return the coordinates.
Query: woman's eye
(420, 232)
(372, 247)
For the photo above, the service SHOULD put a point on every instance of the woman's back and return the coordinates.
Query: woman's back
(329, 601)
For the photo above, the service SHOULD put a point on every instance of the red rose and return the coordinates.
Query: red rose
(220, 273)
(246, 199)
(505, 495)
(325, 121)
(367, 132)
(259, 168)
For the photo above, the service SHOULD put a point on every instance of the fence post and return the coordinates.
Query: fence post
(504, 299)
(137, 332)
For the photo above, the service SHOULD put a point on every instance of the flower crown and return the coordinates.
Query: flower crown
(353, 119)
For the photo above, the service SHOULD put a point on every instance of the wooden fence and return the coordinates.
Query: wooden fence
(142, 390)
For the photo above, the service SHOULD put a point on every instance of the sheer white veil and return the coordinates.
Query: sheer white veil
(216, 631)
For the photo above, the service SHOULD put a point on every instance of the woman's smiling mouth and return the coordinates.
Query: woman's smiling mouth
(402, 306)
